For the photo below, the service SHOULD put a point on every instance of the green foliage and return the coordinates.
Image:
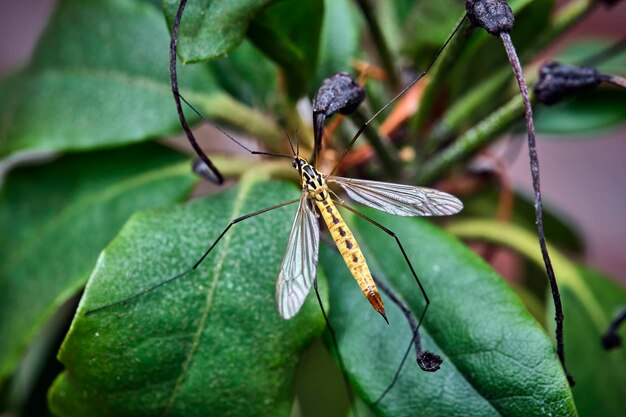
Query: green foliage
(212, 343)
(561, 231)
(289, 34)
(589, 303)
(98, 78)
(213, 340)
(50, 243)
(602, 375)
(497, 359)
(212, 29)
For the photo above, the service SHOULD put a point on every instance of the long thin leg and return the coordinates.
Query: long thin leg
(396, 97)
(428, 361)
(335, 346)
(196, 264)
(406, 257)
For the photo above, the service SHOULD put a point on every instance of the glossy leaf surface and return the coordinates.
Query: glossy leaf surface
(210, 343)
(99, 77)
(590, 301)
(211, 29)
(497, 359)
(57, 217)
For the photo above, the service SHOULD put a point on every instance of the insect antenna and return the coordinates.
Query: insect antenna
(291, 144)
(297, 144)
(396, 97)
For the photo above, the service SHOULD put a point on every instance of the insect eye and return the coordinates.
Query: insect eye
(293, 163)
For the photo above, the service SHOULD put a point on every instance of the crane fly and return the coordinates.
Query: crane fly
(298, 268)
(299, 265)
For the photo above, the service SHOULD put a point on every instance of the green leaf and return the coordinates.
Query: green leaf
(98, 78)
(600, 375)
(248, 75)
(589, 303)
(558, 228)
(434, 20)
(210, 29)
(211, 343)
(340, 38)
(289, 33)
(497, 359)
(56, 218)
(589, 112)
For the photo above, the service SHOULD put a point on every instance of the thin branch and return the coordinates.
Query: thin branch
(472, 141)
(534, 171)
(216, 176)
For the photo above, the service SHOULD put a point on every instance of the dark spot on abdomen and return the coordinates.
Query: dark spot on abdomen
(342, 232)
(348, 244)
(355, 258)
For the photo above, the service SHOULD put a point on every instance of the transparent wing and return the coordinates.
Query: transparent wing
(399, 199)
(297, 271)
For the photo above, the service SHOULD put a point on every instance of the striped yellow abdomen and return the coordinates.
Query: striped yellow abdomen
(351, 252)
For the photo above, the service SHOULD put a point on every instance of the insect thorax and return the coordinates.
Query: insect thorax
(312, 179)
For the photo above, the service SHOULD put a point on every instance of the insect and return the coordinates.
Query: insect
(298, 268)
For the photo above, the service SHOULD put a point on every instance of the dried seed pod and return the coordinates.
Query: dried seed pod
(557, 81)
(339, 93)
(495, 16)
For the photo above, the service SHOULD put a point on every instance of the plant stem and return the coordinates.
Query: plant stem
(386, 58)
(617, 80)
(236, 167)
(467, 106)
(473, 140)
(476, 137)
(224, 108)
(534, 172)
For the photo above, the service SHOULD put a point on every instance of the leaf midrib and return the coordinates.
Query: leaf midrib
(244, 189)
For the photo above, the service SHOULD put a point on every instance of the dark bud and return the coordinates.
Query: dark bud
(201, 169)
(557, 81)
(495, 16)
(339, 93)
(429, 361)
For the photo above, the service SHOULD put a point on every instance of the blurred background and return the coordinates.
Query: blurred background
(583, 179)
